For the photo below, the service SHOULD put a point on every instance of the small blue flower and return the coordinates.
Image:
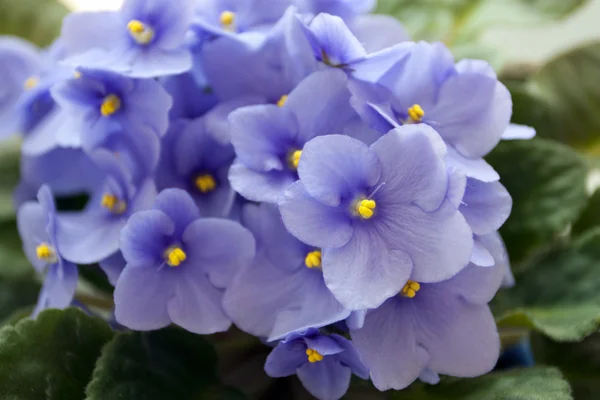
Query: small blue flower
(380, 214)
(37, 228)
(144, 39)
(283, 290)
(20, 67)
(91, 235)
(234, 18)
(433, 328)
(324, 364)
(178, 265)
(268, 139)
(103, 103)
(191, 159)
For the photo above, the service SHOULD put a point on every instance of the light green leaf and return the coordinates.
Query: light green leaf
(557, 294)
(167, 364)
(547, 183)
(520, 384)
(52, 357)
(565, 101)
(36, 20)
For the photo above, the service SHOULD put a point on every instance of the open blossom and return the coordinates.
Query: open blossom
(37, 227)
(177, 266)
(437, 328)
(324, 364)
(268, 138)
(144, 39)
(283, 290)
(380, 214)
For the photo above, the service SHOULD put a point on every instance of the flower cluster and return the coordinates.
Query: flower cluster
(295, 167)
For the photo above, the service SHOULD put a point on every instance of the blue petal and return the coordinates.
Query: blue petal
(179, 206)
(113, 266)
(485, 206)
(377, 32)
(333, 42)
(58, 289)
(350, 357)
(285, 359)
(326, 379)
(260, 186)
(146, 236)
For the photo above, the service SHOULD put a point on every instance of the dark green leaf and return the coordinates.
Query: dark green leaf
(9, 172)
(590, 217)
(521, 384)
(12, 259)
(167, 364)
(52, 357)
(36, 20)
(15, 294)
(95, 276)
(547, 183)
(560, 102)
(579, 362)
(558, 294)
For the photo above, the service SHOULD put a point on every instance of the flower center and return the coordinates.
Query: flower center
(282, 100)
(410, 289)
(175, 256)
(110, 105)
(140, 32)
(313, 259)
(415, 113)
(313, 355)
(45, 252)
(31, 82)
(205, 183)
(227, 20)
(294, 159)
(364, 208)
(114, 204)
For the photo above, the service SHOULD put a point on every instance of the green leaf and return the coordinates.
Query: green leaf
(51, 357)
(558, 294)
(520, 384)
(564, 103)
(16, 294)
(36, 20)
(167, 364)
(462, 23)
(579, 362)
(13, 262)
(590, 216)
(9, 173)
(547, 183)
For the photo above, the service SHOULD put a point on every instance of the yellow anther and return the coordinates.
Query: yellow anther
(140, 32)
(205, 183)
(77, 74)
(365, 208)
(45, 252)
(31, 82)
(416, 113)
(227, 20)
(410, 289)
(282, 100)
(294, 159)
(110, 105)
(313, 259)
(313, 355)
(175, 256)
(113, 203)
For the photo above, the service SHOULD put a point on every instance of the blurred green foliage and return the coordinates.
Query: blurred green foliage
(36, 20)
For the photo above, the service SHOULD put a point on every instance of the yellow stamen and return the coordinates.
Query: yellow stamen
(294, 159)
(140, 32)
(175, 256)
(410, 289)
(110, 105)
(77, 74)
(365, 208)
(282, 100)
(31, 82)
(313, 355)
(113, 203)
(416, 113)
(45, 252)
(227, 20)
(205, 183)
(313, 259)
